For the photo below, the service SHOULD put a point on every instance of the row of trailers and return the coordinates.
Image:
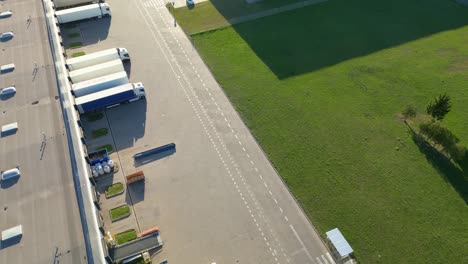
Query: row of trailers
(99, 80)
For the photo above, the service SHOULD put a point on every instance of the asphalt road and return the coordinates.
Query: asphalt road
(43, 199)
(217, 198)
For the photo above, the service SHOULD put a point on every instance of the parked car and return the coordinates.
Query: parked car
(8, 91)
(190, 2)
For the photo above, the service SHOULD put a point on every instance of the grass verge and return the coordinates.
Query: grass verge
(325, 106)
(70, 26)
(109, 148)
(114, 189)
(78, 54)
(126, 236)
(215, 14)
(99, 132)
(75, 45)
(119, 212)
(74, 35)
(94, 116)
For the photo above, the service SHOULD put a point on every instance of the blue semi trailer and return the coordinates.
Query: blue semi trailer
(111, 97)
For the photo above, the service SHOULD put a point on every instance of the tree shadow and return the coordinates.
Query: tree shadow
(318, 36)
(446, 168)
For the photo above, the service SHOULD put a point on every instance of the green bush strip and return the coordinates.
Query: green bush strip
(75, 45)
(78, 54)
(119, 212)
(99, 132)
(94, 116)
(114, 189)
(70, 26)
(126, 236)
(74, 35)
(107, 146)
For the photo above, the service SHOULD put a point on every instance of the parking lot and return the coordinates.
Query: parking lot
(43, 198)
(217, 198)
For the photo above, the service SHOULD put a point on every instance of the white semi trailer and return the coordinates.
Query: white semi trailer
(82, 13)
(129, 92)
(97, 57)
(96, 71)
(99, 84)
(60, 4)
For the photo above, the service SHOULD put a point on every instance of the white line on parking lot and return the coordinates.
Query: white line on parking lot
(301, 242)
(152, 27)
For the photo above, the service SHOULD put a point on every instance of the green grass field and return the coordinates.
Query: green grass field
(119, 212)
(126, 236)
(216, 13)
(114, 189)
(322, 89)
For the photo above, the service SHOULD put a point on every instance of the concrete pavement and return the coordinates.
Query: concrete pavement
(217, 198)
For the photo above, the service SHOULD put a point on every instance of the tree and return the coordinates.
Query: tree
(439, 107)
(409, 112)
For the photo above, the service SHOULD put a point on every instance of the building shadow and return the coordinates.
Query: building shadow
(7, 133)
(449, 171)
(6, 97)
(136, 191)
(127, 123)
(10, 242)
(95, 30)
(310, 38)
(6, 39)
(128, 68)
(9, 183)
(103, 181)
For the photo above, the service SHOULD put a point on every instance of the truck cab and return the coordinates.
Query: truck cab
(139, 91)
(124, 55)
(105, 9)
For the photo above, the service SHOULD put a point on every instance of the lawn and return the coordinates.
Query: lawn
(217, 13)
(322, 89)
(126, 236)
(119, 212)
(109, 148)
(75, 45)
(99, 132)
(78, 54)
(114, 189)
(74, 35)
(94, 116)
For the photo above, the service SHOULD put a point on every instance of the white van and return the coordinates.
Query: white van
(10, 174)
(12, 232)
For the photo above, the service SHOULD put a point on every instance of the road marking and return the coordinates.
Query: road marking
(301, 242)
(332, 261)
(203, 111)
